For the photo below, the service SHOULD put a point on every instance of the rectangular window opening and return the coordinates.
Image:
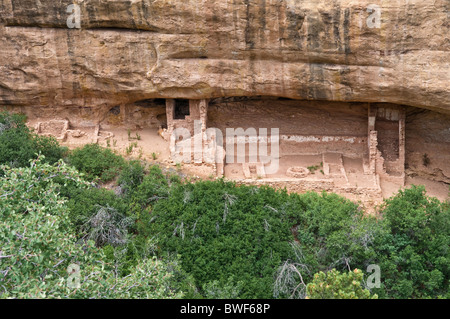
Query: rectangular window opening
(181, 109)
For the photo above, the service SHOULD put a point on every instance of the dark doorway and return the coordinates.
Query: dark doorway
(181, 109)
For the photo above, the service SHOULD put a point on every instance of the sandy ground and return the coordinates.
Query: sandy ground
(146, 145)
(436, 189)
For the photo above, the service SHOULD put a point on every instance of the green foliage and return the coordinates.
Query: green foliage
(138, 137)
(150, 279)
(15, 140)
(229, 290)
(334, 285)
(313, 168)
(84, 203)
(34, 230)
(330, 232)
(129, 149)
(101, 215)
(410, 243)
(131, 176)
(37, 245)
(18, 145)
(182, 280)
(413, 251)
(107, 226)
(128, 255)
(96, 162)
(154, 187)
(49, 147)
(221, 230)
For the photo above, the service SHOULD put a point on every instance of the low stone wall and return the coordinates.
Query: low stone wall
(304, 185)
(366, 197)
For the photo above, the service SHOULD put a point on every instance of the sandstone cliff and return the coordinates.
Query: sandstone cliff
(129, 50)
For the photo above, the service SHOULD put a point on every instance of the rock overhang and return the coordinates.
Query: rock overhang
(127, 51)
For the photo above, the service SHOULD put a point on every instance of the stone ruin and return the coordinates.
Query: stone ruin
(350, 162)
(60, 129)
(351, 148)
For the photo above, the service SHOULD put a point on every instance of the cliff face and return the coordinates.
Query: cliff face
(130, 50)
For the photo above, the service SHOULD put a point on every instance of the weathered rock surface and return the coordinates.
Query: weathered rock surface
(130, 50)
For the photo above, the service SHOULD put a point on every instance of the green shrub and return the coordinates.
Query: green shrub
(130, 254)
(84, 203)
(154, 186)
(221, 230)
(49, 147)
(131, 176)
(96, 162)
(334, 285)
(18, 145)
(333, 232)
(37, 245)
(107, 227)
(229, 290)
(330, 232)
(413, 251)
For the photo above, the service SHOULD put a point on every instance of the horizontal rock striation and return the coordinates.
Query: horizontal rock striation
(131, 50)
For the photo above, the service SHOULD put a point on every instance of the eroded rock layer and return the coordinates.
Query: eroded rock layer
(132, 50)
